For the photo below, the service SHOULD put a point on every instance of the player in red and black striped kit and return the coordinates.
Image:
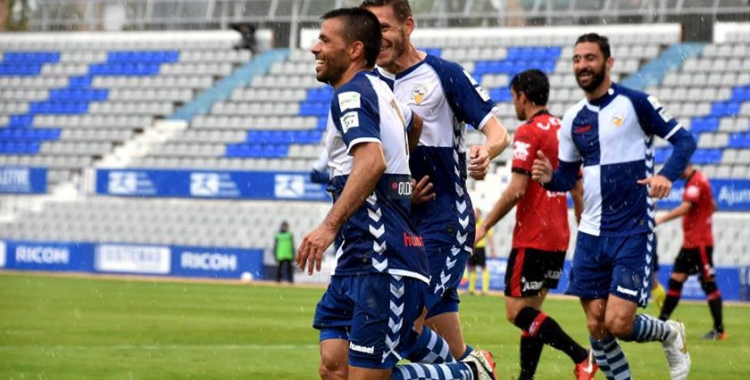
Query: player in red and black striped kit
(696, 255)
(541, 234)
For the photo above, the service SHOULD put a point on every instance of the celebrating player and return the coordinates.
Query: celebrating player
(446, 97)
(367, 315)
(611, 133)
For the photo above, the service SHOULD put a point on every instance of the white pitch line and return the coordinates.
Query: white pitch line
(168, 347)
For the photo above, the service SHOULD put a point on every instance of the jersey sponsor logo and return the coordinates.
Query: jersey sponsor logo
(618, 119)
(583, 129)
(418, 93)
(554, 274)
(349, 100)
(349, 121)
(654, 102)
(630, 292)
(666, 116)
(362, 349)
(521, 150)
(531, 285)
(413, 240)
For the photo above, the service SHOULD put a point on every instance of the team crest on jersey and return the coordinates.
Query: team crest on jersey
(618, 119)
(419, 93)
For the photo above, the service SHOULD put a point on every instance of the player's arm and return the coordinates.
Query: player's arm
(367, 168)
(577, 194)
(473, 105)
(655, 120)
(490, 243)
(516, 189)
(675, 213)
(496, 142)
(414, 130)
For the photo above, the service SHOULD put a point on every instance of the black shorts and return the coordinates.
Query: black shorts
(698, 261)
(531, 270)
(478, 259)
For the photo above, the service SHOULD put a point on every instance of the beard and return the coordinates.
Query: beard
(597, 77)
(332, 72)
(397, 50)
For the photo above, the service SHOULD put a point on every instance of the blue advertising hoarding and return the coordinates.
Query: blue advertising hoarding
(208, 184)
(179, 261)
(730, 195)
(22, 180)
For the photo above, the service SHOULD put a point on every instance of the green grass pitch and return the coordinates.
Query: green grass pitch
(93, 328)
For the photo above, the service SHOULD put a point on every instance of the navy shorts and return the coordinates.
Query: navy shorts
(447, 259)
(604, 265)
(375, 313)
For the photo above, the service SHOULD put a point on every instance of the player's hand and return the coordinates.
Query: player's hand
(421, 191)
(480, 162)
(313, 246)
(541, 171)
(659, 186)
(480, 233)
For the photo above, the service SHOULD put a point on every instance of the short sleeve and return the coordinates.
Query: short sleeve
(567, 151)
(469, 101)
(525, 146)
(652, 116)
(355, 116)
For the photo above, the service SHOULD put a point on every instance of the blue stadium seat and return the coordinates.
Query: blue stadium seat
(722, 109)
(739, 140)
(500, 95)
(704, 124)
(707, 156)
(323, 94)
(31, 57)
(20, 121)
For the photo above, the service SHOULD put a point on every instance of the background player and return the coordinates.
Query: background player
(479, 258)
(697, 253)
(541, 234)
(611, 133)
(446, 97)
(367, 314)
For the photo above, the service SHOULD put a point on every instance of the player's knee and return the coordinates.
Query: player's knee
(596, 328)
(709, 286)
(619, 326)
(331, 368)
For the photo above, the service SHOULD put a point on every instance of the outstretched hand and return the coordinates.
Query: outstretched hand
(541, 170)
(312, 248)
(658, 186)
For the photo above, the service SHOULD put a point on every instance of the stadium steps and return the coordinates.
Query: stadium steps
(672, 59)
(222, 90)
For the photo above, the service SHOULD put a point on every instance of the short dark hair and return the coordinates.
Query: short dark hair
(401, 8)
(360, 25)
(534, 84)
(600, 40)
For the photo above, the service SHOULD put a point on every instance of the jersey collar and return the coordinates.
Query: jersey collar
(607, 98)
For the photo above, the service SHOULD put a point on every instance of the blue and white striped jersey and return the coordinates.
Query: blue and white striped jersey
(613, 138)
(446, 97)
(379, 236)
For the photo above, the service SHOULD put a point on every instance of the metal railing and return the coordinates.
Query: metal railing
(287, 16)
